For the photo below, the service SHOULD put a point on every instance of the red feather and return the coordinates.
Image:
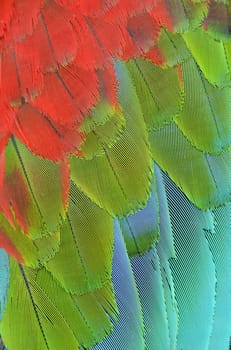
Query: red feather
(41, 136)
(51, 51)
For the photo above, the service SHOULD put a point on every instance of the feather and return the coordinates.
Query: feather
(193, 266)
(217, 50)
(217, 21)
(172, 48)
(219, 243)
(26, 190)
(4, 280)
(72, 318)
(204, 118)
(87, 230)
(141, 230)
(26, 213)
(150, 83)
(128, 331)
(174, 153)
(114, 171)
(115, 174)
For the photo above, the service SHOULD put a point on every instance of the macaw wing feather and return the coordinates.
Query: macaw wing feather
(86, 242)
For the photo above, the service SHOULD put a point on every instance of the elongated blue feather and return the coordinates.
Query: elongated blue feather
(4, 279)
(128, 332)
(193, 269)
(220, 245)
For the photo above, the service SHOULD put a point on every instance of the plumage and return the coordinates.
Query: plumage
(115, 179)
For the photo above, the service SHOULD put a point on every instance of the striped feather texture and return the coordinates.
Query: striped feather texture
(115, 179)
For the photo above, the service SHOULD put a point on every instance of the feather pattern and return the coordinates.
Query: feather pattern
(4, 280)
(115, 177)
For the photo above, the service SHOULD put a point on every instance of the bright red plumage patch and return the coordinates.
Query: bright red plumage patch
(51, 140)
(52, 53)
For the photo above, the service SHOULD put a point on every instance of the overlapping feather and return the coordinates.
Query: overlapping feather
(118, 84)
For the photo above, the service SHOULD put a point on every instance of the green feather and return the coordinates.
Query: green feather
(155, 86)
(120, 180)
(205, 179)
(84, 260)
(55, 319)
(205, 118)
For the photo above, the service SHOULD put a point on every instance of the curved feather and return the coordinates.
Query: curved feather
(205, 116)
(217, 22)
(193, 269)
(172, 48)
(29, 224)
(219, 243)
(57, 320)
(207, 188)
(84, 260)
(128, 333)
(67, 90)
(141, 230)
(28, 190)
(4, 280)
(105, 135)
(211, 55)
(150, 83)
(109, 179)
